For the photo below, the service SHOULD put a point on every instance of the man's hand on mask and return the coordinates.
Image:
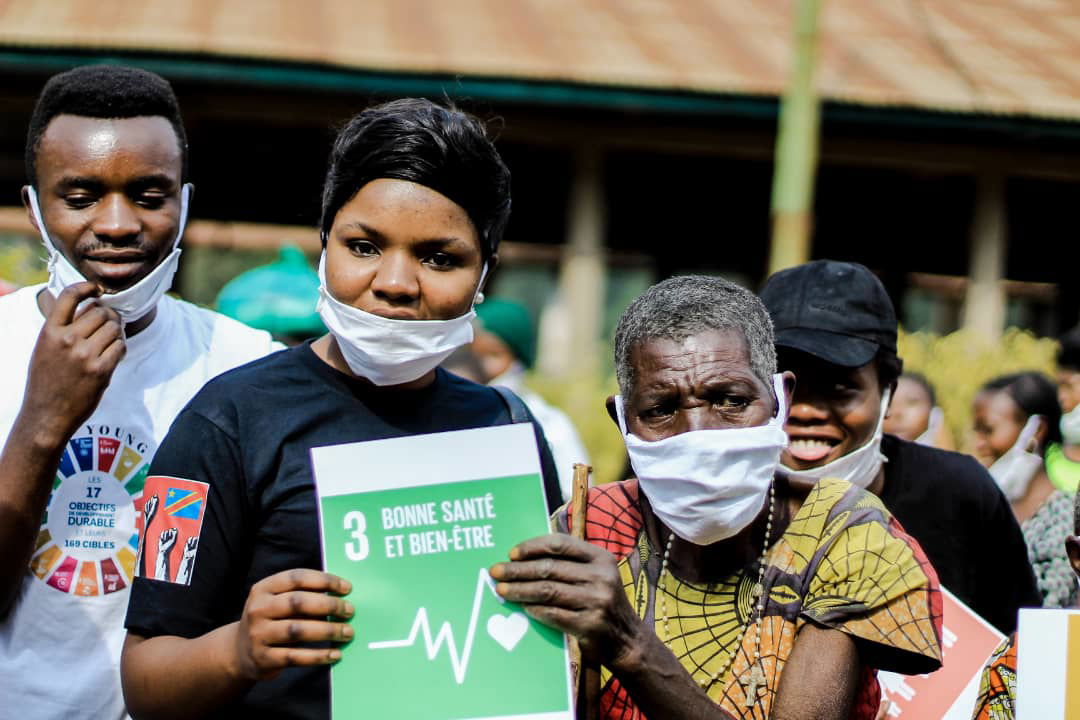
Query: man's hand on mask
(574, 587)
(73, 361)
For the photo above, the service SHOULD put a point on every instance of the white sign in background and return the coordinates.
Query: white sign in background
(1042, 660)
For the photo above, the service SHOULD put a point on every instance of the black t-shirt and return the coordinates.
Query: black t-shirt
(248, 434)
(951, 505)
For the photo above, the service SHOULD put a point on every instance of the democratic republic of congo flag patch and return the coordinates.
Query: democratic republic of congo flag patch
(173, 512)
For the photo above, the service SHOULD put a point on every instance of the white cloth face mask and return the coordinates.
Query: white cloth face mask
(708, 485)
(933, 425)
(389, 351)
(1014, 470)
(134, 302)
(1070, 426)
(859, 467)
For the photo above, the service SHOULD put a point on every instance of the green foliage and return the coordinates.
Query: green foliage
(957, 364)
(21, 261)
(583, 399)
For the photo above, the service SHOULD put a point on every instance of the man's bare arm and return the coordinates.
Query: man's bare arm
(70, 368)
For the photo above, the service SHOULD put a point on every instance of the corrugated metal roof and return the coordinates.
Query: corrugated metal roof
(1016, 57)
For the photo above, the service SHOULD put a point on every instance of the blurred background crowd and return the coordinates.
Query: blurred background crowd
(934, 141)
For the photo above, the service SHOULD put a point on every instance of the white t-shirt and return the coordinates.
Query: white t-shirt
(60, 646)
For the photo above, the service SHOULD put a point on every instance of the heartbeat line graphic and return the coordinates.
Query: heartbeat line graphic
(459, 661)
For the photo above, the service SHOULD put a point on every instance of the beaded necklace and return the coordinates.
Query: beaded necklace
(757, 676)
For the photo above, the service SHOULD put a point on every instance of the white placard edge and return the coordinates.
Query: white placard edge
(420, 460)
(1041, 696)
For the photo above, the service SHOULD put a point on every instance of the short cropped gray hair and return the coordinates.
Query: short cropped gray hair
(685, 306)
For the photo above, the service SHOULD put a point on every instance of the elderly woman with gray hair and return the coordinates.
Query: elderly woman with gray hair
(708, 587)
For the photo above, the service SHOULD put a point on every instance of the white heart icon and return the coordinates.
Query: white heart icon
(507, 630)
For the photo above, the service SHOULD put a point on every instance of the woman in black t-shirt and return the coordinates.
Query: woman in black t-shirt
(414, 205)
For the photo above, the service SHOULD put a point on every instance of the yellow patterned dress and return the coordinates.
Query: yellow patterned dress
(842, 563)
(997, 686)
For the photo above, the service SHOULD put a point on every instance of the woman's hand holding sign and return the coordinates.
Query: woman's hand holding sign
(286, 610)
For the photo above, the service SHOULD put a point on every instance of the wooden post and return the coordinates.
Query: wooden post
(582, 275)
(984, 302)
(796, 149)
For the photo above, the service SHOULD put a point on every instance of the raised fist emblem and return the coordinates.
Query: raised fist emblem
(165, 544)
(148, 511)
(187, 561)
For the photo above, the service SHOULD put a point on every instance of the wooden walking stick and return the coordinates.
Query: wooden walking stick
(579, 500)
(588, 677)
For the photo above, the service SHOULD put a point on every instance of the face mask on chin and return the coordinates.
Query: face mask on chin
(933, 426)
(131, 303)
(1070, 426)
(389, 351)
(1014, 470)
(708, 485)
(859, 467)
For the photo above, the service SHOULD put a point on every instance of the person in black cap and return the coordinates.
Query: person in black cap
(836, 330)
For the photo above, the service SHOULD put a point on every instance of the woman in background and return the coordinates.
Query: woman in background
(1016, 419)
(1063, 461)
(914, 414)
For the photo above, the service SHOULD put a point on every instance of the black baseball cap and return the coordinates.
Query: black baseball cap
(836, 311)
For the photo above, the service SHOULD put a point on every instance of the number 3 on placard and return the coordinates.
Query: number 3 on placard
(357, 549)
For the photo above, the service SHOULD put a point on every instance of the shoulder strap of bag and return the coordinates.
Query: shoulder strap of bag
(518, 412)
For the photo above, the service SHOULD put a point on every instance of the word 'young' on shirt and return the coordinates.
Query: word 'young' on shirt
(452, 513)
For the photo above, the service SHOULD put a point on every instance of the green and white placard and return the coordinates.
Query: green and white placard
(413, 523)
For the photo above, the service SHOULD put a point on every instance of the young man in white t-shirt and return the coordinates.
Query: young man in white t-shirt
(95, 366)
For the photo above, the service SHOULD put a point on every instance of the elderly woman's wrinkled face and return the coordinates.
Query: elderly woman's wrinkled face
(702, 382)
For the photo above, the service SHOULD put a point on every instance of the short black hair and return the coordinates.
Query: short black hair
(439, 147)
(920, 380)
(1069, 353)
(103, 91)
(1034, 394)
